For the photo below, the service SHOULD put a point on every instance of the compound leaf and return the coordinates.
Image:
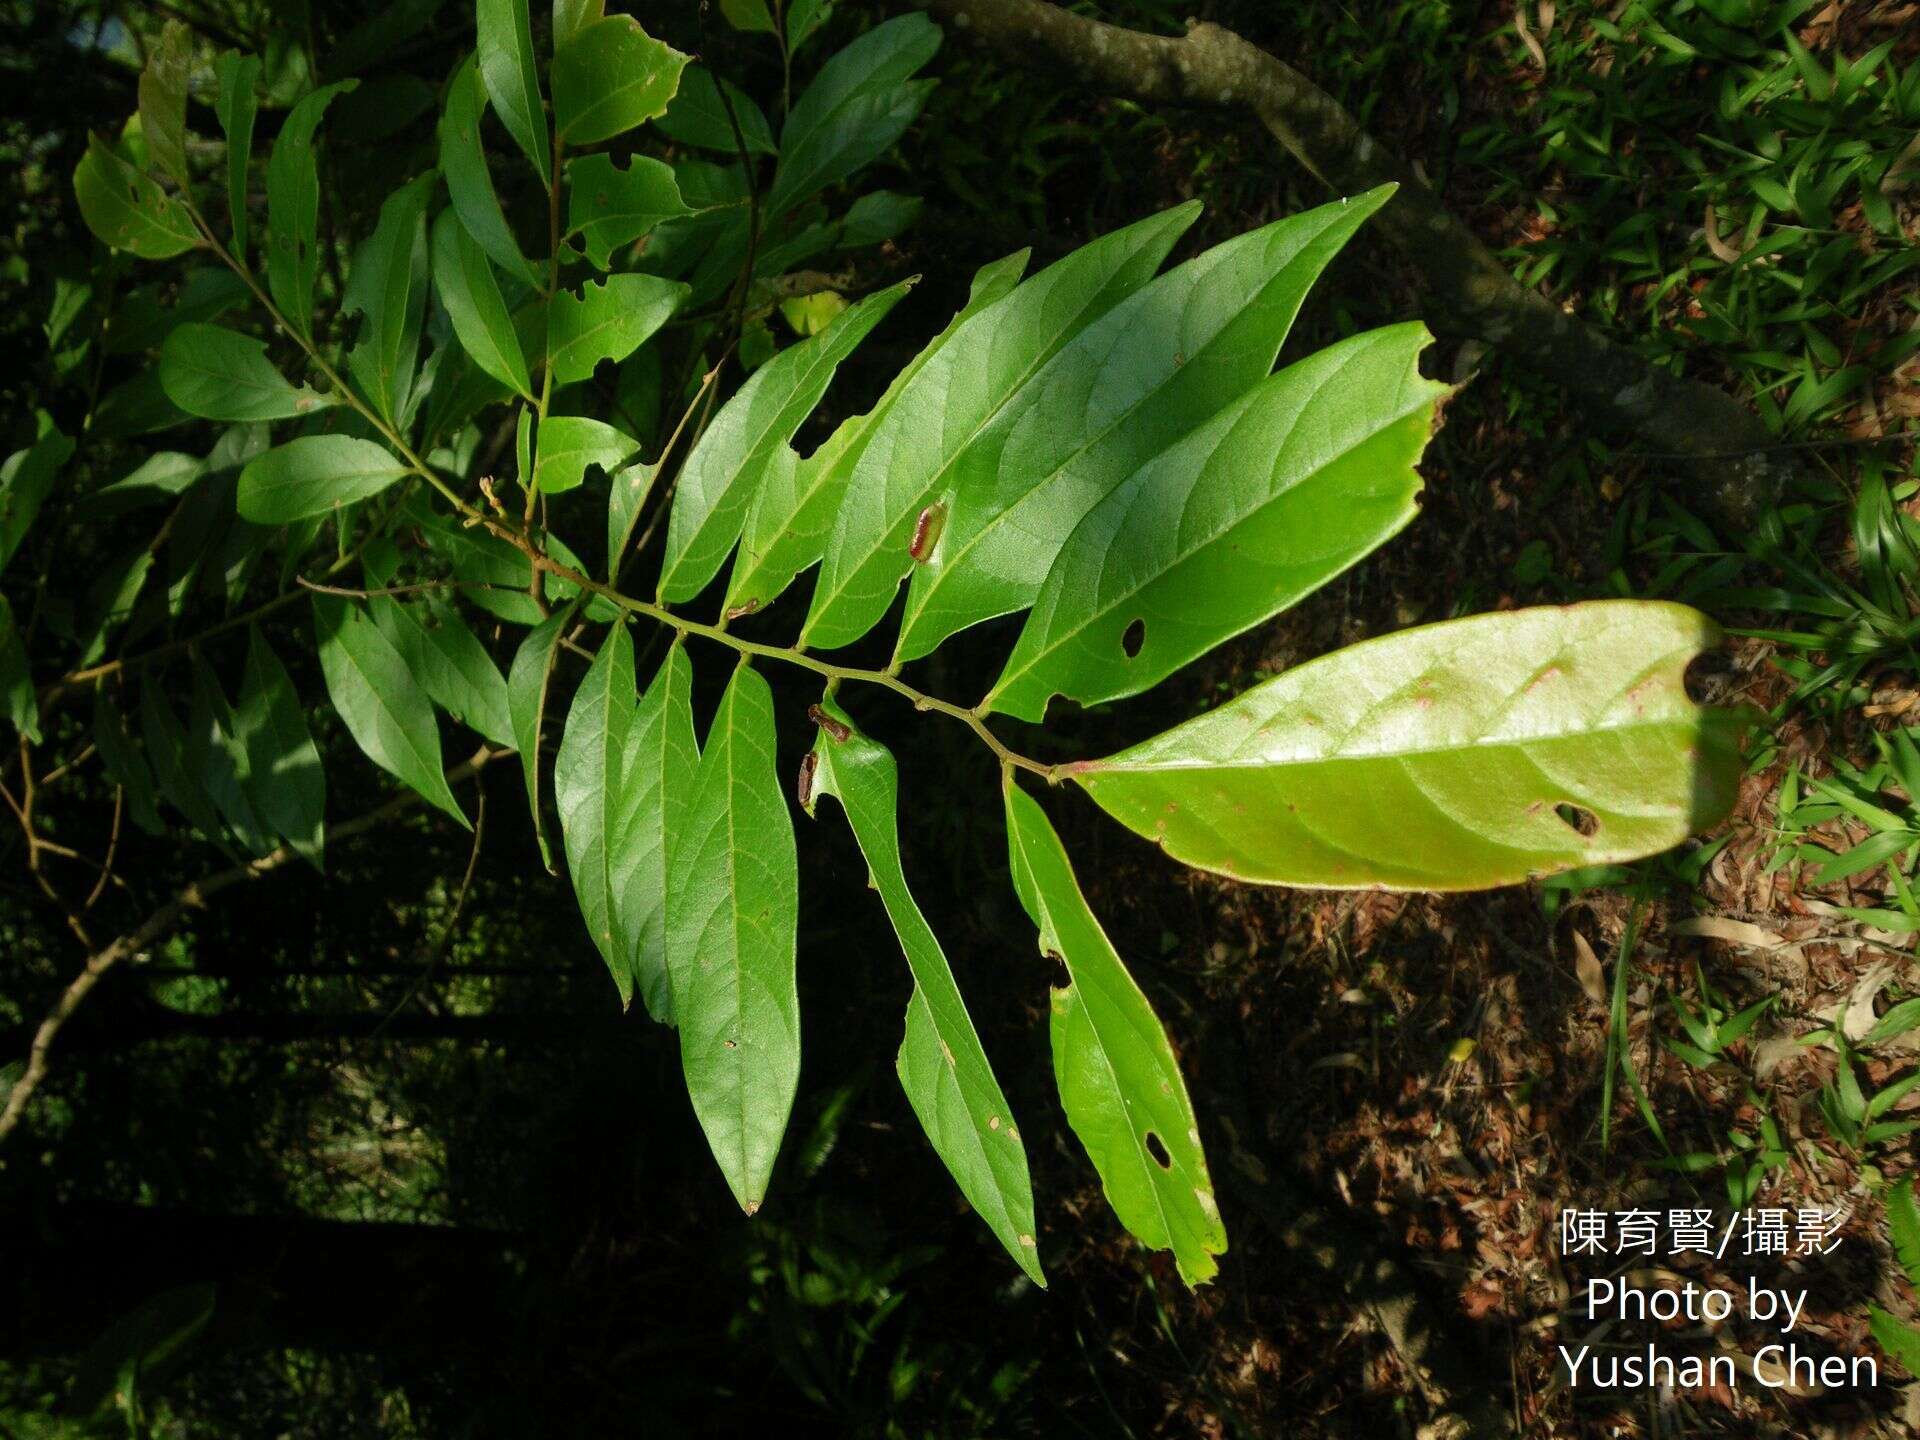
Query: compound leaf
(1457, 756)
(1118, 1079)
(941, 1063)
(1289, 485)
(732, 921)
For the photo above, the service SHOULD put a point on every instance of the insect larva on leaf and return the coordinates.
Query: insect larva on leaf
(826, 722)
(926, 531)
(803, 791)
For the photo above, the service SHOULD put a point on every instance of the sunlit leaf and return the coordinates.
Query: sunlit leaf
(606, 320)
(609, 208)
(956, 394)
(609, 77)
(746, 448)
(467, 286)
(656, 782)
(788, 526)
(627, 491)
(219, 374)
(1457, 756)
(1119, 1082)
(732, 920)
(1150, 370)
(1282, 490)
(313, 475)
(570, 443)
(387, 288)
(586, 792)
(389, 716)
(941, 1064)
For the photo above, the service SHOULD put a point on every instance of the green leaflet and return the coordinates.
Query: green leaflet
(803, 18)
(746, 449)
(26, 479)
(1291, 484)
(512, 79)
(386, 712)
(609, 208)
(128, 210)
(16, 677)
(219, 374)
(441, 653)
(698, 116)
(163, 102)
(293, 209)
(467, 287)
(388, 289)
(1439, 758)
(941, 1064)
(857, 106)
(627, 491)
(570, 443)
(609, 77)
(219, 759)
(177, 778)
(656, 782)
(284, 779)
(955, 395)
(469, 182)
(124, 764)
(236, 108)
(787, 528)
(606, 320)
(312, 475)
(1119, 1082)
(527, 684)
(732, 921)
(586, 792)
(1151, 369)
(571, 16)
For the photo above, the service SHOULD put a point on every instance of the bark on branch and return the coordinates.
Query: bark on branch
(1730, 452)
(163, 920)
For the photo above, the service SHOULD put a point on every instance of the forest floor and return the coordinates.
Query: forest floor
(1453, 1070)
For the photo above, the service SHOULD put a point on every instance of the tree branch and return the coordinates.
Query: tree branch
(1728, 449)
(163, 920)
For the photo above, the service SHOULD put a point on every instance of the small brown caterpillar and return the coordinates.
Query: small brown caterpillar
(826, 722)
(926, 531)
(803, 792)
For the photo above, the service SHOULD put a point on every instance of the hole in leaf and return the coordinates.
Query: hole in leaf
(1709, 677)
(1157, 1148)
(1580, 821)
(1135, 637)
(1062, 977)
